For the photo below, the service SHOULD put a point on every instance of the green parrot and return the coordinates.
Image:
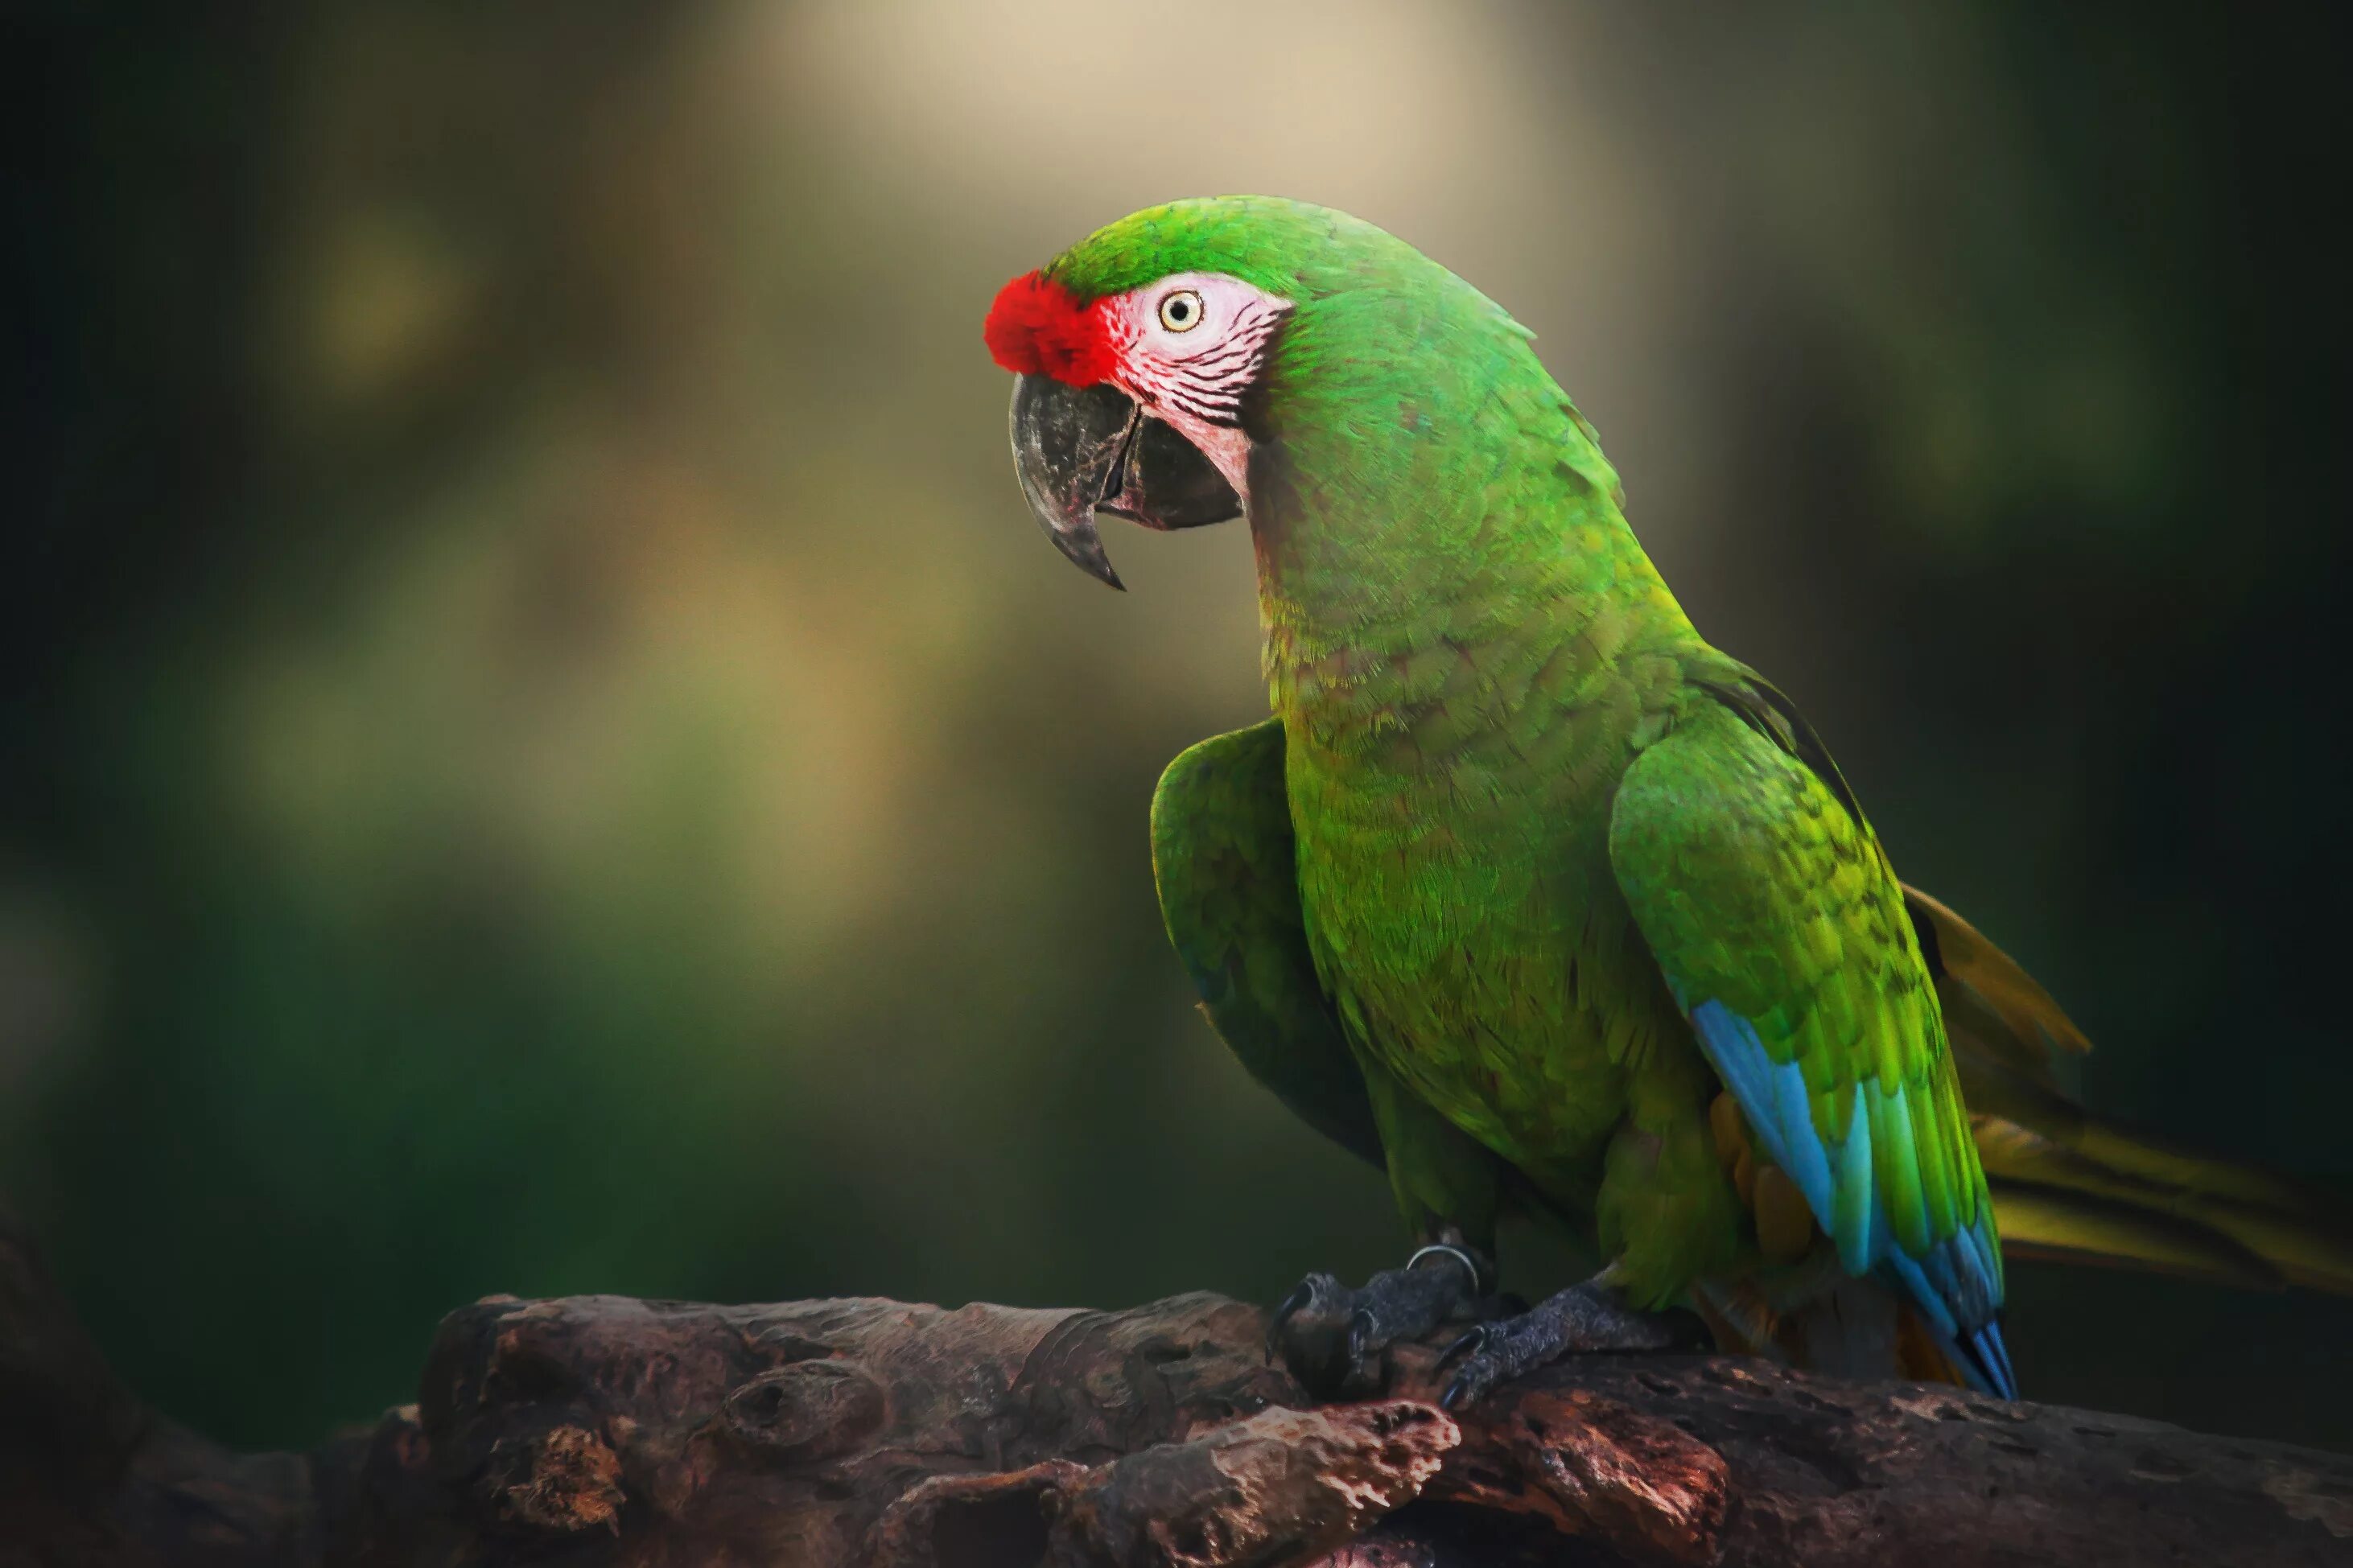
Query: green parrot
(1531, 896)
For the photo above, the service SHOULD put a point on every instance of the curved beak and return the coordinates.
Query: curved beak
(1077, 449)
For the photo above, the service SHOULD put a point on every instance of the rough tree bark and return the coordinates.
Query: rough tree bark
(602, 1430)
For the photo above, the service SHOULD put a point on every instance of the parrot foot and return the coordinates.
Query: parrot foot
(1584, 1318)
(1335, 1339)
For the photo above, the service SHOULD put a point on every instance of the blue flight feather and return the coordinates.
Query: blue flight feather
(1992, 1357)
(1956, 1282)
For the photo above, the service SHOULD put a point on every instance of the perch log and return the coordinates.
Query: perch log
(602, 1430)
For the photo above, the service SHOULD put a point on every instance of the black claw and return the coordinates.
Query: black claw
(1458, 1392)
(1334, 1338)
(1462, 1346)
(1301, 1294)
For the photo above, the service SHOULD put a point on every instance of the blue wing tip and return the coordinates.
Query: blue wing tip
(1961, 1278)
(1991, 1355)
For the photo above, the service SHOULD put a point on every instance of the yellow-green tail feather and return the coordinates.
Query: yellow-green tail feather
(2070, 1186)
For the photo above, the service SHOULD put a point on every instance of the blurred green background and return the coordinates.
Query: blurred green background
(543, 752)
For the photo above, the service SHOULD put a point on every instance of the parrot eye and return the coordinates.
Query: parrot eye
(1181, 310)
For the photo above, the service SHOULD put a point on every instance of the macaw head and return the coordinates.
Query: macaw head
(1160, 358)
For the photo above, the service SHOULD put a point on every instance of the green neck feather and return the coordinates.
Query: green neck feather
(1438, 537)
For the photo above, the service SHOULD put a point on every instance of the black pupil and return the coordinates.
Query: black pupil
(1180, 310)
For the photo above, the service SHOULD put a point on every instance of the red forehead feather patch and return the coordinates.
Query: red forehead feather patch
(1039, 327)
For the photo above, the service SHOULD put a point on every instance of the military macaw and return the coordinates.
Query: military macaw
(1531, 896)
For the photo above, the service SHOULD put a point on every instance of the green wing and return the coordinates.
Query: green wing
(1783, 933)
(1223, 855)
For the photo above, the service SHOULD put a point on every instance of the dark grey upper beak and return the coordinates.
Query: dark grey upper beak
(1077, 448)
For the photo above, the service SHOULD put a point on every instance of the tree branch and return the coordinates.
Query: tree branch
(604, 1430)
